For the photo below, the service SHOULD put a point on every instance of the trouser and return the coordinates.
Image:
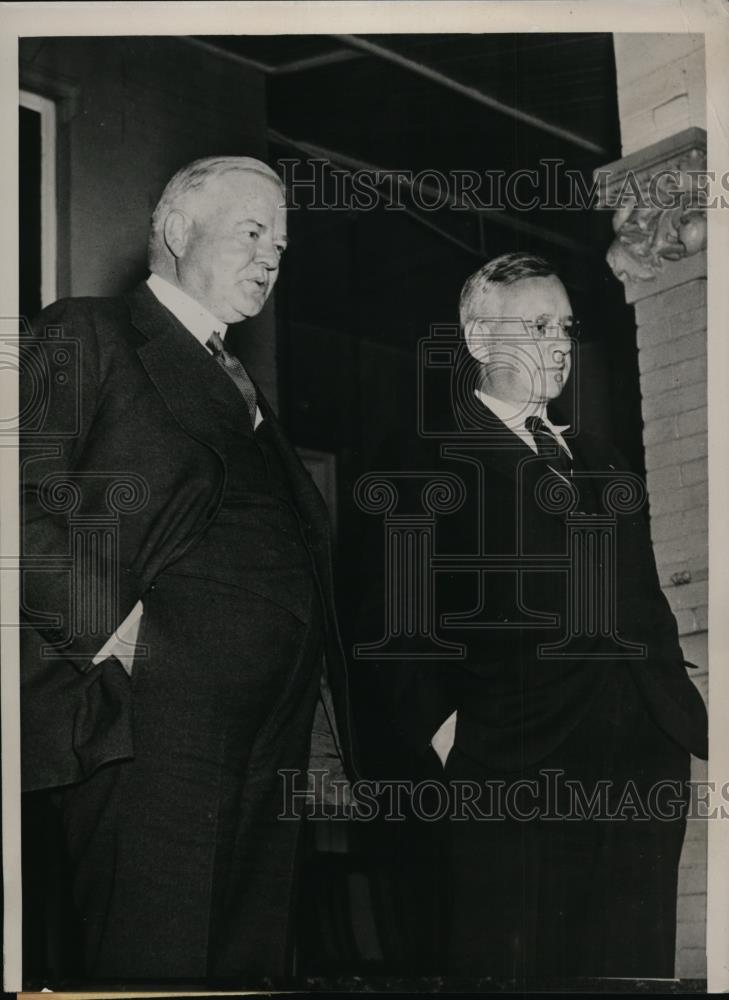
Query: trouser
(181, 868)
(564, 891)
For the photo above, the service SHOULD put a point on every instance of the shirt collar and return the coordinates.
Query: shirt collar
(194, 317)
(513, 415)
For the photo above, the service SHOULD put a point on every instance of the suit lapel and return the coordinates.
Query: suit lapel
(596, 464)
(309, 501)
(498, 446)
(195, 390)
(203, 398)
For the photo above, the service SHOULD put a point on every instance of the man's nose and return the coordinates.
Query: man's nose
(561, 354)
(267, 255)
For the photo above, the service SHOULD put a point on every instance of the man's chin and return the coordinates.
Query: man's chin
(247, 310)
(555, 387)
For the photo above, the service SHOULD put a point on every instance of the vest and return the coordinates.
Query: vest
(255, 540)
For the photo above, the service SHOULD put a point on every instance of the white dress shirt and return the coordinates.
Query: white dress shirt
(201, 323)
(196, 318)
(513, 416)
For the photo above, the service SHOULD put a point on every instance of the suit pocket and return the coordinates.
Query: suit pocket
(102, 725)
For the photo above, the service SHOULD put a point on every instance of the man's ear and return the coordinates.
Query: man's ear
(478, 339)
(177, 232)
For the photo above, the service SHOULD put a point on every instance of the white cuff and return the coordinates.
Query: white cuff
(442, 742)
(122, 644)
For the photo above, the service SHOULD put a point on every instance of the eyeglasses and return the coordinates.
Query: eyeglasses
(544, 330)
(539, 329)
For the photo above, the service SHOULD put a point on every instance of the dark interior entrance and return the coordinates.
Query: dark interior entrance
(361, 287)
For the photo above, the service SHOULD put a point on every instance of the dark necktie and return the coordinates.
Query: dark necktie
(548, 447)
(233, 367)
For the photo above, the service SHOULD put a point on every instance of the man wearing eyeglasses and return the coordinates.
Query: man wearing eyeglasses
(565, 725)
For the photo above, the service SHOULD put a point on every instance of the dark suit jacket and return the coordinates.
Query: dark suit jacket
(514, 704)
(119, 424)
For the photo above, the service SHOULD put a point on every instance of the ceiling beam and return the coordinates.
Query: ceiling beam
(314, 62)
(340, 159)
(236, 57)
(497, 216)
(473, 93)
(275, 69)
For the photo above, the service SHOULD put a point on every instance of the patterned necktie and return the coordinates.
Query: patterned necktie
(548, 447)
(233, 367)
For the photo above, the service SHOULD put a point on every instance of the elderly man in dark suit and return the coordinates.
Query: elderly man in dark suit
(565, 723)
(177, 598)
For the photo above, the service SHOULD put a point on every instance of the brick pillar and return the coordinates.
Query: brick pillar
(659, 255)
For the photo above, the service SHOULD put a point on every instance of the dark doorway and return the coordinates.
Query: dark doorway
(30, 211)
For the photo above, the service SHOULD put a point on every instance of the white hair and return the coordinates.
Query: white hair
(494, 275)
(187, 184)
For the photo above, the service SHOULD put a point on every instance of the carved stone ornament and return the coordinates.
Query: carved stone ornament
(660, 196)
